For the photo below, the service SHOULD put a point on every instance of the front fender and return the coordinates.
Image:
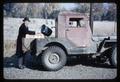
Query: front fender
(41, 44)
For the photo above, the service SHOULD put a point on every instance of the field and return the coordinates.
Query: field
(11, 26)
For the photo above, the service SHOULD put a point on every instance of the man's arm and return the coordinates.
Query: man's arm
(29, 32)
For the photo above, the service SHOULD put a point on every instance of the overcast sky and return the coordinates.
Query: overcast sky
(68, 5)
(73, 5)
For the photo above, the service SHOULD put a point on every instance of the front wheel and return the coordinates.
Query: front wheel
(53, 58)
(113, 58)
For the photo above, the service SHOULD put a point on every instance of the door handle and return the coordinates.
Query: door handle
(67, 30)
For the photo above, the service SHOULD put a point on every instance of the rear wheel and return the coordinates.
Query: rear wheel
(53, 58)
(113, 58)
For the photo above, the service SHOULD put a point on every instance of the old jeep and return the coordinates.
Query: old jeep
(73, 37)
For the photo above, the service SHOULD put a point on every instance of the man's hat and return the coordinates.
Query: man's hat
(26, 19)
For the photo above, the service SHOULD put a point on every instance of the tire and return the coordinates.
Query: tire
(53, 58)
(113, 58)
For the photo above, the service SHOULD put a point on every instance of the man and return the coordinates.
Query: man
(20, 52)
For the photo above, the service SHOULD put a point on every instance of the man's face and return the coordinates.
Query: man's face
(26, 23)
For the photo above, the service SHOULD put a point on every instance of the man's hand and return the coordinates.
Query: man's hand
(24, 48)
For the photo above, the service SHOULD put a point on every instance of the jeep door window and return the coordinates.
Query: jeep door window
(77, 22)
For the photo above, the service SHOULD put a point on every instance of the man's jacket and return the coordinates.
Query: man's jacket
(23, 30)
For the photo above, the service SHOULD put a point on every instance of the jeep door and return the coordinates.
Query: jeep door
(78, 31)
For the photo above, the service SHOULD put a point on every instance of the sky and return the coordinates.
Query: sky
(106, 5)
(68, 5)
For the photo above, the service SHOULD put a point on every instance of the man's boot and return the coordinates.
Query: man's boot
(20, 63)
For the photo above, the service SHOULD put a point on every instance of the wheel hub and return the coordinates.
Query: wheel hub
(54, 58)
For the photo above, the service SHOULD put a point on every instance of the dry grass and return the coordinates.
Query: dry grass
(9, 47)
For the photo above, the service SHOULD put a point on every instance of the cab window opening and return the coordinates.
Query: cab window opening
(76, 22)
